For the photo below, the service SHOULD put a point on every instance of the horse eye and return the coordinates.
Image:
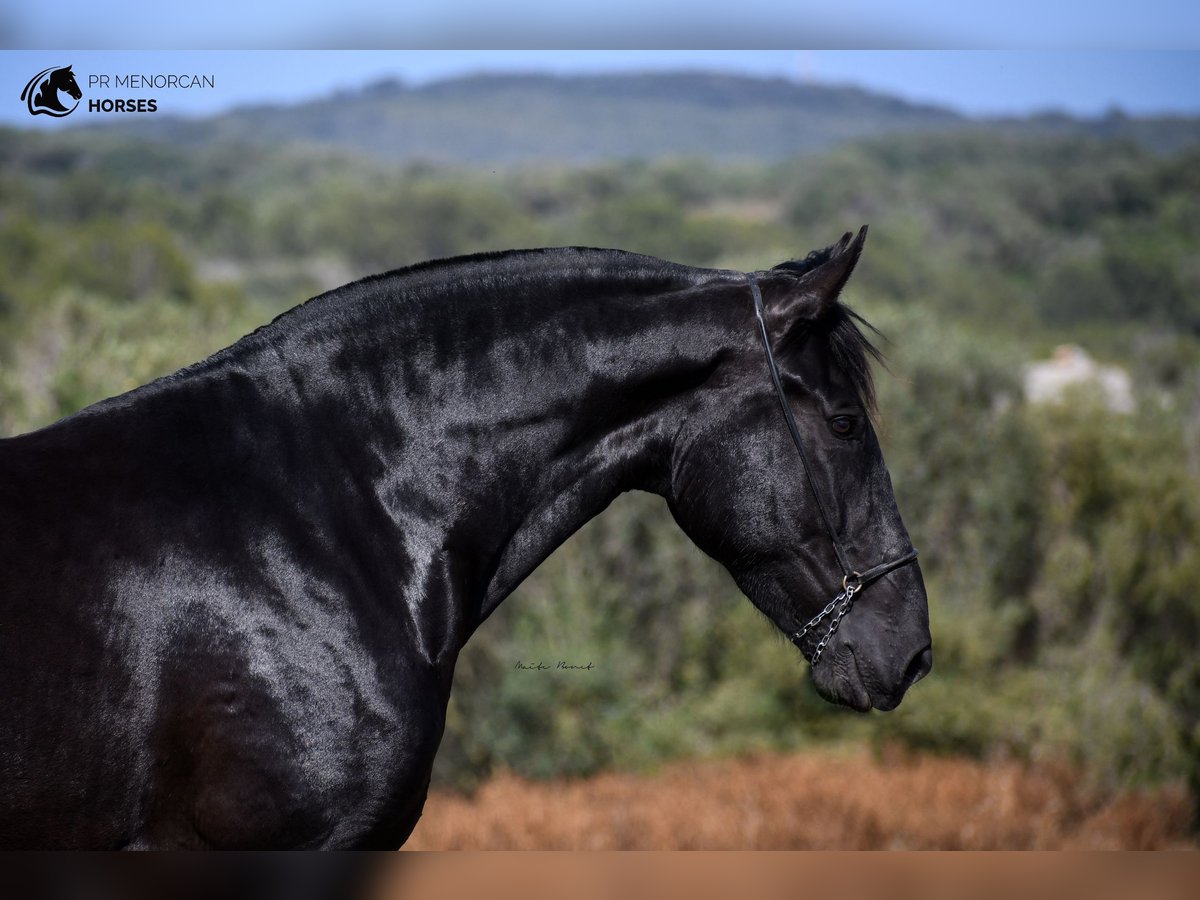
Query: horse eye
(842, 426)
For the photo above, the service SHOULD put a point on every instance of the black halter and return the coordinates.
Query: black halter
(853, 581)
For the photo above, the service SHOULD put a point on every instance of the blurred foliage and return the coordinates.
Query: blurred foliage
(1059, 542)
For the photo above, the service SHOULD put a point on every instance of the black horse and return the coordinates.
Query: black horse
(231, 601)
(41, 93)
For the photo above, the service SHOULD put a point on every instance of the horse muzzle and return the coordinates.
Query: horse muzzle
(861, 677)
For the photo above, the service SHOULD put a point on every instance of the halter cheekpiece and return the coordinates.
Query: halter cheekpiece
(853, 581)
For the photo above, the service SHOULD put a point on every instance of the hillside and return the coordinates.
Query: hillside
(505, 119)
(511, 118)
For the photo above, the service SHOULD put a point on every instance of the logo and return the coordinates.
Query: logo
(41, 94)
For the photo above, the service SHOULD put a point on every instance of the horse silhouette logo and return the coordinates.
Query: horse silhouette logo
(41, 94)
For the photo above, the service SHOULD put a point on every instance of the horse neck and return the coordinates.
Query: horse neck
(525, 415)
(595, 419)
(489, 423)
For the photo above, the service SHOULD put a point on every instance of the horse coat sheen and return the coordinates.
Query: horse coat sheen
(231, 601)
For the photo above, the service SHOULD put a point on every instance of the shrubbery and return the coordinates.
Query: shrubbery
(1056, 545)
(1059, 543)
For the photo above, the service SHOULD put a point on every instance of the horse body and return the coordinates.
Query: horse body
(231, 601)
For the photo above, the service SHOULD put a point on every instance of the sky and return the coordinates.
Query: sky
(1005, 82)
(544, 24)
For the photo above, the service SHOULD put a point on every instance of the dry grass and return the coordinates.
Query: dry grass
(808, 801)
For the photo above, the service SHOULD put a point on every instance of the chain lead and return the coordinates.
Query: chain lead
(841, 603)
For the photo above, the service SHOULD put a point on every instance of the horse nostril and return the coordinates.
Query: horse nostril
(919, 667)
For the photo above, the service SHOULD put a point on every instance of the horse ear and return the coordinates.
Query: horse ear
(817, 291)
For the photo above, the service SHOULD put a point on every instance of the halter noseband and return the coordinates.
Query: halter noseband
(853, 581)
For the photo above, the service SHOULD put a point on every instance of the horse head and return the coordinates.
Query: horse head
(41, 92)
(802, 518)
(64, 80)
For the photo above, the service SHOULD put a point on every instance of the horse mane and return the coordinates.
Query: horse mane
(851, 350)
(597, 263)
(434, 277)
(842, 329)
(839, 328)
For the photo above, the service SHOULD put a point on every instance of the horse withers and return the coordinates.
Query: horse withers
(231, 601)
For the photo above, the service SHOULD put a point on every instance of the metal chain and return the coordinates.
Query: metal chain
(841, 603)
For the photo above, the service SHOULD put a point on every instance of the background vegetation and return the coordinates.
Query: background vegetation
(1059, 542)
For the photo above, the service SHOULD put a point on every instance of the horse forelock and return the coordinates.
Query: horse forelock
(843, 332)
